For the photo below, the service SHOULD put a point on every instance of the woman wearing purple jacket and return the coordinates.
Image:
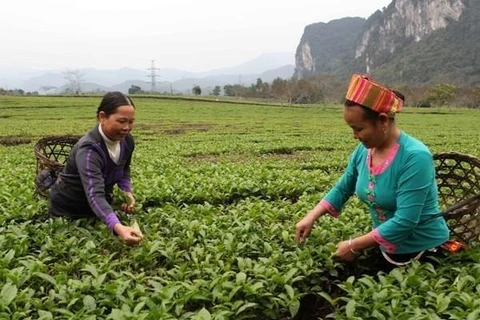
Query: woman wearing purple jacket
(97, 162)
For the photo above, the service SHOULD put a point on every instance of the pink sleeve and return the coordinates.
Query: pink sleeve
(331, 209)
(388, 246)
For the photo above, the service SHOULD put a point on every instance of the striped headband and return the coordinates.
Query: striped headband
(364, 91)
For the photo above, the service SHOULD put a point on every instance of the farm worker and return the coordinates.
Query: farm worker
(392, 173)
(97, 162)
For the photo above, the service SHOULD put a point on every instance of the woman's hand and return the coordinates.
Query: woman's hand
(303, 229)
(128, 234)
(344, 252)
(128, 207)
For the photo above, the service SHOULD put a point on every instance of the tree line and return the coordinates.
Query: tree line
(328, 89)
(312, 90)
(289, 90)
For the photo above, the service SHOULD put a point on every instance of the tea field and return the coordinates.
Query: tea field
(220, 187)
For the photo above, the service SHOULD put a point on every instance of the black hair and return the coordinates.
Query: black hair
(369, 113)
(399, 94)
(112, 100)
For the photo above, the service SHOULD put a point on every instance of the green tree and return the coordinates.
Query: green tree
(228, 90)
(134, 89)
(441, 94)
(265, 91)
(259, 87)
(239, 90)
(197, 90)
(216, 90)
(307, 90)
(279, 87)
(283, 89)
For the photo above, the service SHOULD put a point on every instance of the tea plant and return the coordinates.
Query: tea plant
(219, 188)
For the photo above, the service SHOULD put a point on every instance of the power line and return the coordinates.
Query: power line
(153, 77)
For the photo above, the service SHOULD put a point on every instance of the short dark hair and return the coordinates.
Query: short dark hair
(112, 100)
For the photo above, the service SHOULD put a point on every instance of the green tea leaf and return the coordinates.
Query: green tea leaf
(245, 307)
(89, 303)
(241, 277)
(8, 293)
(442, 303)
(45, 315)
(290, 274)
(290, 291)
(350, 308)
(293, 308)
(46, 277)
(91, 269)
(9, 256)
(203, 314)
(326, 296)
(474, 315)
(135, 225)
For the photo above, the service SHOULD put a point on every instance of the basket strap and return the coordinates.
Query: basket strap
(399, 264)
(454, 207)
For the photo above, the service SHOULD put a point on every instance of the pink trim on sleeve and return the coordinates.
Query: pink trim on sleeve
(331, 209)
(389, 247)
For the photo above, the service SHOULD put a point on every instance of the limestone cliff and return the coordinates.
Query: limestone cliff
(403, 22)
(325, 45)
(409, 42)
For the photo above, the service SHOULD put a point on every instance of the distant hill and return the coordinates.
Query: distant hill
(262, 63)
(409, 42)
(284, 72)
(48, 79)
(209, 82)
(110, 77)
(266, 66)
(86, 87)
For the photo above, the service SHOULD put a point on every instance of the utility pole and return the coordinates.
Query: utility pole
(152, 77)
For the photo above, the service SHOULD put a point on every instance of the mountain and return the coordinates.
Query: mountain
(112, 77)
(86, 87)
(163, 86)
(284, 72)
(325, 47)
(49, 79)
(13, 76)
(409, 42)
(206, 83)
(103, 78)
(263, 62)
(266, 66)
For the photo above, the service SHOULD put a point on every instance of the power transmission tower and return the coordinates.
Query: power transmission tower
(153, 77)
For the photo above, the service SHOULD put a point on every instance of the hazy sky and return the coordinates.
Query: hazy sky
(189, 35)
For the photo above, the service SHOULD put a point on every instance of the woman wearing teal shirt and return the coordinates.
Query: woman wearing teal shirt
(393, 173)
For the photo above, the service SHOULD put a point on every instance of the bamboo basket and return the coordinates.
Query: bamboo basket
(51, 154)
(458, 180)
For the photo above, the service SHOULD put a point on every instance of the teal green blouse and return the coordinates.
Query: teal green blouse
(401, 194)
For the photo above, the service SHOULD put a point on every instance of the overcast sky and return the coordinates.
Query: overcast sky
(188, 35)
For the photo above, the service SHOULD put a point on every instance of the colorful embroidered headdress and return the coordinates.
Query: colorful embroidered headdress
(364, 91)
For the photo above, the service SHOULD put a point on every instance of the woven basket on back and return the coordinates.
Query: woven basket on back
(51, 153)
(458, 179)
